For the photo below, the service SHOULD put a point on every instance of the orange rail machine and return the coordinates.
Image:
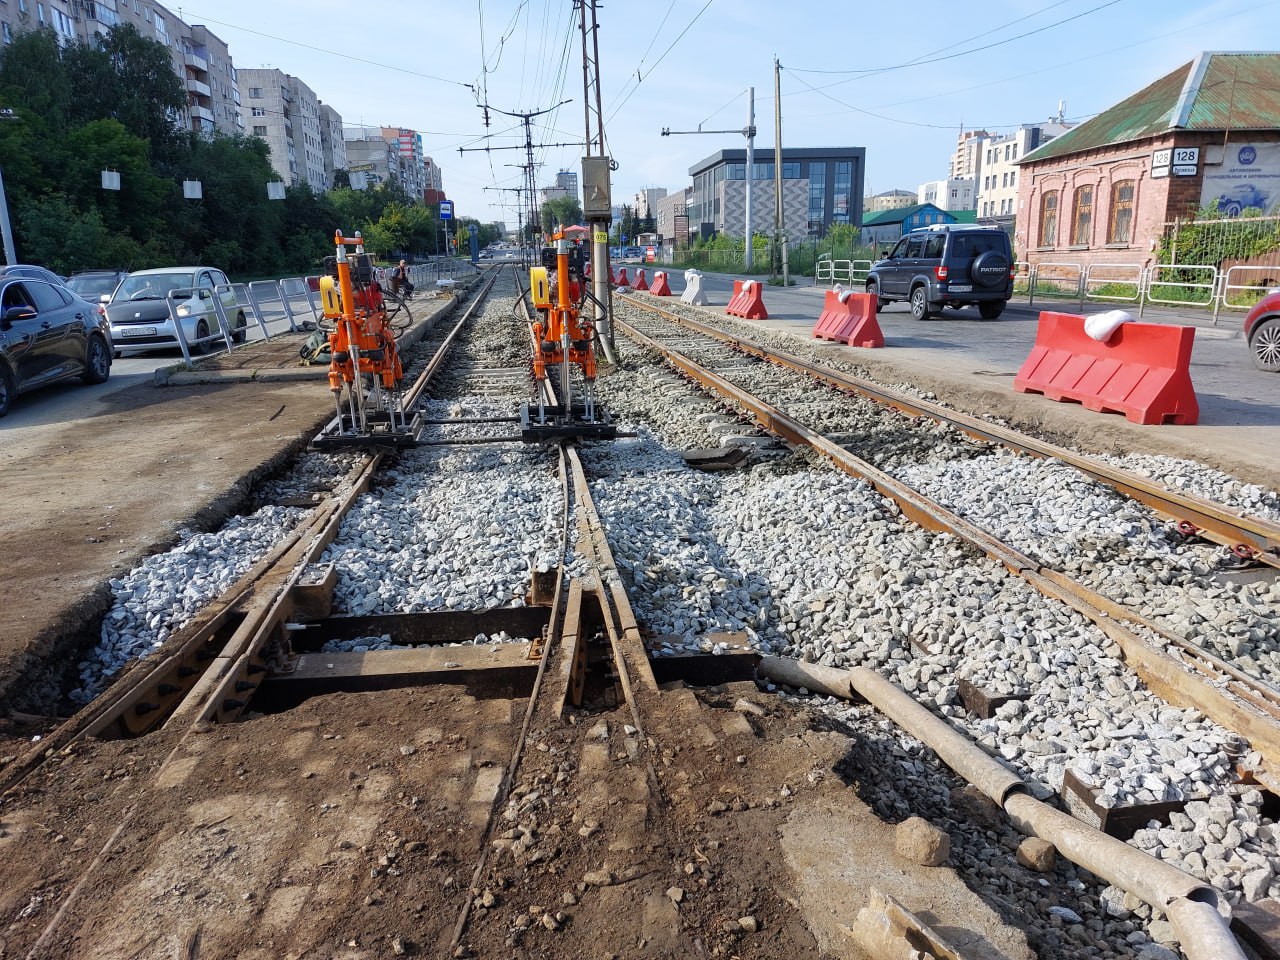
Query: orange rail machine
(563, 339)
(365, 374)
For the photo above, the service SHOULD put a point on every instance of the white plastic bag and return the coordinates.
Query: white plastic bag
(1101, 326)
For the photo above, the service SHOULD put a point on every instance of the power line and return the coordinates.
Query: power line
(961, 53)
(640, 78)
(332, 53)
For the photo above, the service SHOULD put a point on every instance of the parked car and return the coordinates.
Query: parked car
(47, 334)
(96, 286)
(946, 265)
(30, 271)
(1262, 332)
(139, 309)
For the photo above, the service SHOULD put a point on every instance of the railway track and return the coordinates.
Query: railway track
(1180, 670)
(565, 785)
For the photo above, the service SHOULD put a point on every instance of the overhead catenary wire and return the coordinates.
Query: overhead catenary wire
(640, 79)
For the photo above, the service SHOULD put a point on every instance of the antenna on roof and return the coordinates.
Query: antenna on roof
(1062, 109)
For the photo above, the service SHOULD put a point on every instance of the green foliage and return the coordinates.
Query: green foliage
(82, 109)
(560, 210)
(1212, 237)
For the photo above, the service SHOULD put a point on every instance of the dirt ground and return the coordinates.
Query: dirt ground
(88, 499)
(318, 833)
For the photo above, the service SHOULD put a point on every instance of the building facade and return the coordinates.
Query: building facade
(967, 158)
(889, 200)
(646, 201)
(822, 186)
(371, 161)
(672, 218)
(954, 194)
(210, 78)
(1104, 191)
(997, 193)
(886, 227)
(567, 180)
(333, 146)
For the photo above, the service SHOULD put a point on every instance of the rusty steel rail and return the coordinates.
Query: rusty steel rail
(1247, 537)
(1193, 678)
(150, 691)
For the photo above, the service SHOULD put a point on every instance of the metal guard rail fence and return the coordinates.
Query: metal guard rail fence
(1203, 285)
(278, 298)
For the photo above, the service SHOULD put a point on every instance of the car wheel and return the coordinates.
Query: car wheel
(875, 292)
(97, 361)
(200, 346)
(1230, 209)
(1265, 345)
(920, 306)
(240, 329)
(991, 309)
(6, 390)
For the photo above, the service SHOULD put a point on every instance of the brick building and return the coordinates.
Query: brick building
(1103, 191)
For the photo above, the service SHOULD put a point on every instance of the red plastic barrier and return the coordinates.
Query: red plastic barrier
(1142, 371)
(660, 287)
(641, 282)
(747, 301)
(851, 320)
(613, 277)
(622, 278)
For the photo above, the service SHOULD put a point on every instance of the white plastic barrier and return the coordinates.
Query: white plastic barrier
(693, 292)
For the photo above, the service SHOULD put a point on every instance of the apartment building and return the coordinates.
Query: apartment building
(967, 158)
(673, 218)
(890, 200)
(201, 60)
(567, 180)
(285, 112)
(646, 201)
(371, 160)
(333, 146)
(997, 194)
(956, 193)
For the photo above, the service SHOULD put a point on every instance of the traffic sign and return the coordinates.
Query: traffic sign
(472, 229)
(446, 209)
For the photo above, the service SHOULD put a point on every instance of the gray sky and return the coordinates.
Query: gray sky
(903, 78)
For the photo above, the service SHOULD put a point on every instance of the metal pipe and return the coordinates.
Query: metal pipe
(1192, 906)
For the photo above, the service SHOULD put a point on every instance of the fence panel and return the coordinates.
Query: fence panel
(1126, 278)
(1200, 287)
(1055, 280)
(1236, 293)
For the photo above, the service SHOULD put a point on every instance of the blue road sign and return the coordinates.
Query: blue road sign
(446, 209)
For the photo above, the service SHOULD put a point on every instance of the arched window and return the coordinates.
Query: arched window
(1082, 216)
(1048, 219)
(1120, 225)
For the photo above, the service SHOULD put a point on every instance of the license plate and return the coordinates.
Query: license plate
(138, 331)
(960, 287)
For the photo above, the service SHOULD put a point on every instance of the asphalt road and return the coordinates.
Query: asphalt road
(1232, 391)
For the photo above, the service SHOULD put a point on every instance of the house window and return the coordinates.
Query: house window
(255, 93)
(1049, 218)
(790, 170)
(259, 112)
(1082, 216)
(1004, 180)
(259, 131)
(1121, 222)
(1013, 178)
(8, 34)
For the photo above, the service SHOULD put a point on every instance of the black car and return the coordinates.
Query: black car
(96, 286)
(30, 271)
(48, 334)
(946, 265)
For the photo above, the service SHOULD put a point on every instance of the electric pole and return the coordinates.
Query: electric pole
(779, 227)
(596, 175)
(749, 131)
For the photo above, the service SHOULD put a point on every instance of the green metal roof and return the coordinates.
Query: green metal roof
(899, 215)
(1216, 91)
(964, 216)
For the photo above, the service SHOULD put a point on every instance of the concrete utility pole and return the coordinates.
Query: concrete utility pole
(596, 175)
(749, 131)
(779, 226)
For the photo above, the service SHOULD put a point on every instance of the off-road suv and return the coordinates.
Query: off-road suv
(946, 265)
